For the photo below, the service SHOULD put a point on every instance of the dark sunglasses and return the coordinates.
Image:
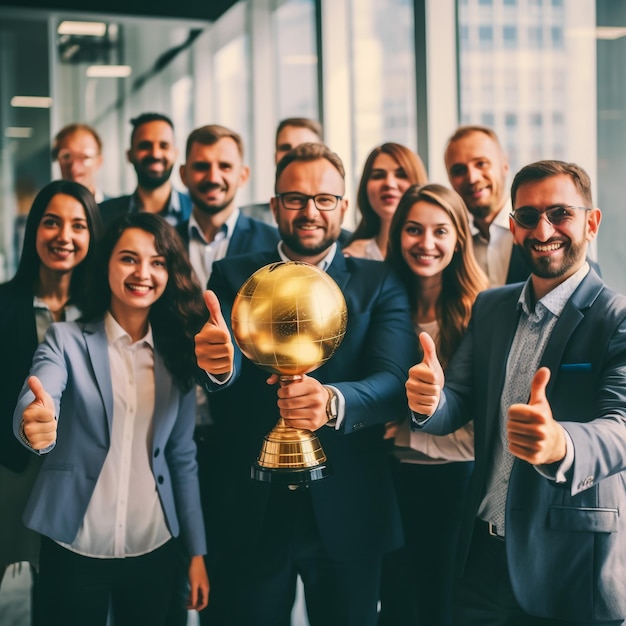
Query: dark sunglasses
(528, 216)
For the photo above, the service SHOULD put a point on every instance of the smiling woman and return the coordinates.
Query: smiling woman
(62, 228)
(111, 397)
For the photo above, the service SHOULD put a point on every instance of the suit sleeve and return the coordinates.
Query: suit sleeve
(388, 351)
(50, 367)
(600, 444)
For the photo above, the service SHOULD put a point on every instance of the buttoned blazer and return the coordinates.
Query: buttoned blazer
(355, 508)
(565, 543)
(18, 338)
(73, 364)
(114, 207)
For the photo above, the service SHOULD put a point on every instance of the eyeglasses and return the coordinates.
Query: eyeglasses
(528, 216)
(67, 156)
(294, 201)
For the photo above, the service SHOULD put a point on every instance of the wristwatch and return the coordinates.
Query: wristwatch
(332, 407)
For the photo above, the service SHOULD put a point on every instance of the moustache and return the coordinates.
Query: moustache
(151, 160)
(203, 187)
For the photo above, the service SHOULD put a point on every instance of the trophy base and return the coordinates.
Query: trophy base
(289, 476)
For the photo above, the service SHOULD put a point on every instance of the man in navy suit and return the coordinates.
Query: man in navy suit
(542, 372)
(335, 531)
(153, 154)
(213, 173)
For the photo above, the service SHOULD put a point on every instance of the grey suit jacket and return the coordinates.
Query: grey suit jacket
(565, 543)
(73, 365)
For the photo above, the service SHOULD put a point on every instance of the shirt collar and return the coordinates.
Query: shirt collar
(171, 208)
(323, 264)
(501, 220)
(115, 333)
(555, 300)
(228, 227)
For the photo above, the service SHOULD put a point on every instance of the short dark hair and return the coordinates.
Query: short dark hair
(210, 134)
(70, 129)
(301, 122)
(541, 170)
(309, 152)
(28, 268)
(146, 118)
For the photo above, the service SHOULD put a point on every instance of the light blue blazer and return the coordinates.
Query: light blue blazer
(73, 364)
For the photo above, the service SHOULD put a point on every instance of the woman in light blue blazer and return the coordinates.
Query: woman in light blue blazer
(110, 403)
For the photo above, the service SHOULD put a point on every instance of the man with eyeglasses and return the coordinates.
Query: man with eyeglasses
(77, 148)
(542, 372)
(334, 532)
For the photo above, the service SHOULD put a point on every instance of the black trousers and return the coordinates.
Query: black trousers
(484, 596)
(417, 579)
(76, 590)
(258, 588)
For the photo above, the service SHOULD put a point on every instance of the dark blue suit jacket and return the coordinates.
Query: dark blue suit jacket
(565, 543)
(18, 338)
(112, 208)
(249, 235)
(355, 508)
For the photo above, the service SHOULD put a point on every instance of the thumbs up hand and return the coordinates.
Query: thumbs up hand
(39, 423)
(423, 388)
(214, 346)
(534, 435)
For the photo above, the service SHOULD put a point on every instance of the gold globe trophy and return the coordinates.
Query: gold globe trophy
(289, 318)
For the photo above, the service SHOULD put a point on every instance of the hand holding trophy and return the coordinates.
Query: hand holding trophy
(289, 318)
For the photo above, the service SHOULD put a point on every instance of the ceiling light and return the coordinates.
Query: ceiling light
(109, 71)
(31, 102)
(88, 29)
(610, 32)
(18, 132)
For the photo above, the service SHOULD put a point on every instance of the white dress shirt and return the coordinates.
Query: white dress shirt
(494, 254)
(124, 517)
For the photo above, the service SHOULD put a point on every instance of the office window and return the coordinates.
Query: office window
(485, 37)
(383, 76)
(535, 37)
(509, 36)
(296, 59)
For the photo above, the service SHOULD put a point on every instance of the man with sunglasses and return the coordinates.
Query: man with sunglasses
(334, 531)
(542, 372)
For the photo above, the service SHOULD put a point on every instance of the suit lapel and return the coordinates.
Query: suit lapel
(502, 330)
(571, 316)
(338, 270)
(162, 396)
(239, 237)
(98, 352)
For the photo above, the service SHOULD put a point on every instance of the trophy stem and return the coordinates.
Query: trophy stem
(290, 455)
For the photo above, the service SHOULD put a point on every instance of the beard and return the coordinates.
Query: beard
(293, 242)
(480, 212)
(205, 207)
(547, 267)
(149, 180)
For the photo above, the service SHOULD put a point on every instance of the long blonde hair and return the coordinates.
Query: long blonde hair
(462, 279)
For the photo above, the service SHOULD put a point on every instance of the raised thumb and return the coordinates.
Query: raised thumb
(38, 390)
(429, 349)
(538, 386)
(215, 311)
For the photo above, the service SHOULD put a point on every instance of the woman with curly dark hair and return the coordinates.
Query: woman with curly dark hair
(110, 403)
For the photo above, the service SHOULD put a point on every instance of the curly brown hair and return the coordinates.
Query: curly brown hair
(177, 315)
